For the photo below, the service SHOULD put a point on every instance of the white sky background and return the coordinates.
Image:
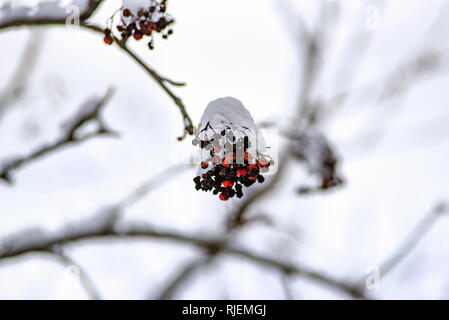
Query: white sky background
(242, 49)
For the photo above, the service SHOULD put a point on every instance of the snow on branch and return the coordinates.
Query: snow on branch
(89, 112)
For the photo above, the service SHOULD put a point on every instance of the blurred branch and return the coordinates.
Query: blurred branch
(182, 276)
(93, 5)
(85, 280)
(38, 20)
(286, 286)
(291, 269)
(90, 111)
(18, 82)
(413, 239)
(105, 227)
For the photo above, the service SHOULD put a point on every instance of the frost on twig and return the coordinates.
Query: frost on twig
(233, 152)
(90, 112)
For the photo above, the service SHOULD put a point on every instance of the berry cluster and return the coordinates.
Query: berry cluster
(142, 23)
(229, 166)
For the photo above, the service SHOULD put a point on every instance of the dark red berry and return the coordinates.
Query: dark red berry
(263, 163)
(138, 35)
(227, 183)
(204, 165)
(223, 196)
(126, 12)
(108, 40)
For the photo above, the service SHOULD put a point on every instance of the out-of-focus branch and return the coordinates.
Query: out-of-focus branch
(84, 278)
(188, 124)
(182, 276)
(93, 5)
(90, 111)
(106, 227)
(18, 82)
(413, 239)
(285, 279)
(291, 269)
(37, 20)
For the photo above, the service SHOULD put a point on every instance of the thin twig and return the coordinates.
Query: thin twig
(286, 286)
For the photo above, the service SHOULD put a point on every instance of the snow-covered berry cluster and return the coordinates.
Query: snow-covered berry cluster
(139, 19)
(231, 150)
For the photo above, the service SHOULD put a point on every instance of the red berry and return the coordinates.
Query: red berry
(241, 172)
(204, 165)
(138, 35)
(126, 12)
(227, 183)
(223, 196)
(108, 40)
(262, 162)
(225, 162)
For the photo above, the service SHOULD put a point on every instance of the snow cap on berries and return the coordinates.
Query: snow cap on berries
(232, 150)
(230, 113)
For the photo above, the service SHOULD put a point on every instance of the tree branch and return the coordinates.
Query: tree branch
(90, 111)
(106, 227)
(413, 239)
